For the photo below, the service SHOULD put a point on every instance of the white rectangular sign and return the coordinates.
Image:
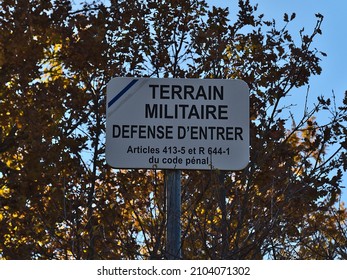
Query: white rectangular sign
(177, 123)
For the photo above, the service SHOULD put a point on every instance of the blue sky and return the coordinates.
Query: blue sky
(333, 41)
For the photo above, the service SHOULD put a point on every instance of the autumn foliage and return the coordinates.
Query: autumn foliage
(60, 200)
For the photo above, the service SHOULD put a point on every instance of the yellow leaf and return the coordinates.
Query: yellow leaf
(57, 47)
(5, 192)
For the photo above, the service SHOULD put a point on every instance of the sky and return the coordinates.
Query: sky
(333, 42)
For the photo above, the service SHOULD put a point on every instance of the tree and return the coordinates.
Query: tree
(60, 200)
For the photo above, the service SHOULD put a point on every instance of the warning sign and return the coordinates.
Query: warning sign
(177, 123)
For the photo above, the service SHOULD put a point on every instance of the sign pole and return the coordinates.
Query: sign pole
(173, 125)
(173, 226)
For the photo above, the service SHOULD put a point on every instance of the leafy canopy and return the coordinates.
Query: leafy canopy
(59, 199)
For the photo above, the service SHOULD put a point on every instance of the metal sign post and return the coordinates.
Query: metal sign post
(173, 212)
(174, 124)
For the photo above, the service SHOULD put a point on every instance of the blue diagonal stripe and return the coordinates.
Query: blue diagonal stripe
(121, 93)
